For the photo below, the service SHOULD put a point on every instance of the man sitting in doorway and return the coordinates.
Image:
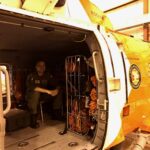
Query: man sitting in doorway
(40, 86)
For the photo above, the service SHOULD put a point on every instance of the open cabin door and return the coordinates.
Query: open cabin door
(4, 72)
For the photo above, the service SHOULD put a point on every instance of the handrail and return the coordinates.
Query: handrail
(7, 91)
(95, 53)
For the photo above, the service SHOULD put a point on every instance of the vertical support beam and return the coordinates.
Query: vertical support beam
(146, 31)
(146, 10)
(145, 6)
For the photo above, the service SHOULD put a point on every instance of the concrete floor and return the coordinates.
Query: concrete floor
(47, 138)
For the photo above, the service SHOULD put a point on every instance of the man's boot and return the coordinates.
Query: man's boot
(34, 123)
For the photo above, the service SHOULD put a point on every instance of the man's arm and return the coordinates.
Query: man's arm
(50, 92)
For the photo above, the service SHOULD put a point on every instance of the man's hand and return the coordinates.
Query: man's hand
(52, 92)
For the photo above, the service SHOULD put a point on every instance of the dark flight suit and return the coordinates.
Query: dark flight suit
(33, 97)
(46, 81)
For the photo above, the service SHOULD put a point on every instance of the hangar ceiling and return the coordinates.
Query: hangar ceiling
(131, 17)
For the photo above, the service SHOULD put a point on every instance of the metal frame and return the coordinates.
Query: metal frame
(73, 84)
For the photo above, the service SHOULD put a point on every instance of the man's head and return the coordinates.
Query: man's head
(40, 67)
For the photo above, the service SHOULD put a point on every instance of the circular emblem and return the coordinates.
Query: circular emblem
(135, 76)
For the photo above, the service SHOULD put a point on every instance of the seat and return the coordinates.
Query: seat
(41, 111)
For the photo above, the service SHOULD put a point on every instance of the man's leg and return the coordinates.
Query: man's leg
(33, 102)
